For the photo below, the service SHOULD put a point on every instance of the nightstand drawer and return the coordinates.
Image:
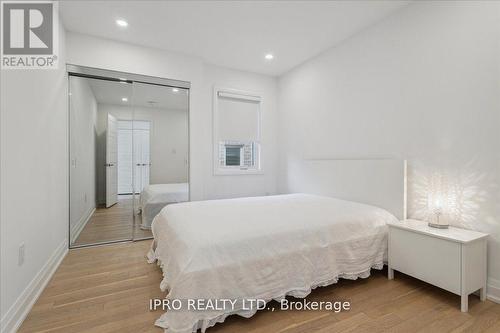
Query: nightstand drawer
(430, 259)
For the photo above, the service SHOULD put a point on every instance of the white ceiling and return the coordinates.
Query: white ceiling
(234, 34)
(143, 95)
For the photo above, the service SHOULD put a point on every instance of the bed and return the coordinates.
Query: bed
(154, 197)
(273, 246)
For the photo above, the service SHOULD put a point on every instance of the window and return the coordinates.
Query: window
(232, 155)
(236, 132)
(237, 154)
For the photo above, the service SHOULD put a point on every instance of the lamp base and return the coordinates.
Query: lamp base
(438, 226)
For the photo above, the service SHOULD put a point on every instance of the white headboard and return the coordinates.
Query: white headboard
(378, 182)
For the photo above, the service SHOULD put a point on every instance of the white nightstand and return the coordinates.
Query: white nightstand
(453, 259)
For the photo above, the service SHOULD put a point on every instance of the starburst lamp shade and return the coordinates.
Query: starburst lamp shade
(436, 208)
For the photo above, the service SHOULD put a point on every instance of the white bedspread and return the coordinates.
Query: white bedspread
(155, 197)
(262, 247)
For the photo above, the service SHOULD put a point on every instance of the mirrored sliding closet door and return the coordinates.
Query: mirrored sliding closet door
(161, 144)
(128, 145)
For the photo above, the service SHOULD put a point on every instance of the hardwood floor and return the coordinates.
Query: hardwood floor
(107, 289)
(111, 224)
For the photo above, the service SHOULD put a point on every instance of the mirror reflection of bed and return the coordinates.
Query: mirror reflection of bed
(154, 197)
(129, 157)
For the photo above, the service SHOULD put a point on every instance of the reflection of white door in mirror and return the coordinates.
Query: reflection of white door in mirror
(142, 154)
(111, 162)
(133, 155)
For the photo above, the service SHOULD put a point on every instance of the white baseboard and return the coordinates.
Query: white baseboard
(14, 317)
(77, 228)
(493, 293)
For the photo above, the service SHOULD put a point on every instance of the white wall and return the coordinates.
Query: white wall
(83, 137)
(100, 53)
(421, 85)
(34, 181)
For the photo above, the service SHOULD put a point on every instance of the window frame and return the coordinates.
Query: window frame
(236, 170)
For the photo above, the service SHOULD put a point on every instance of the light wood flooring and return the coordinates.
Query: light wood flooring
(111, 224)
(107, 289)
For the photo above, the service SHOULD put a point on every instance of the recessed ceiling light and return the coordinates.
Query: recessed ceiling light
(121, 23)
(175, 90)
(124, 99)
(269, 56)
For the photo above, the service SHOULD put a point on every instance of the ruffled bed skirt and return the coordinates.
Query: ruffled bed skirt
(203, 324)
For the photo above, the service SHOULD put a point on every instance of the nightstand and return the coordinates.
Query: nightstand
(453, 259)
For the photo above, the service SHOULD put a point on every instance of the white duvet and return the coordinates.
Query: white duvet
(155, 197)
(262, 247)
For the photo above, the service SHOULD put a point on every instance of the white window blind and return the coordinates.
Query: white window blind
(238, 119)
